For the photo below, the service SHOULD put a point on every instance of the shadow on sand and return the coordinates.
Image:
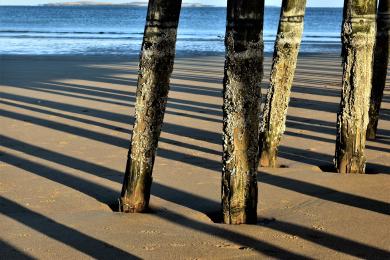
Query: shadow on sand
(191, 109)
(69, 236)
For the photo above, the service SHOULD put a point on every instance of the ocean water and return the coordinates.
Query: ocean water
(118, 30)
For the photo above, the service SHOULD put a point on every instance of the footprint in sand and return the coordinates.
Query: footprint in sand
(286, 236)
(151, 247)
(24, 235)
(233, 246)
(150, 232)
(318, 227)
(177, 244)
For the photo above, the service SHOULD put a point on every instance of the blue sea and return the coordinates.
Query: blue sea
(118, 30)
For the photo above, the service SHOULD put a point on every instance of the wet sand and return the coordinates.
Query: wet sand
(65, 129)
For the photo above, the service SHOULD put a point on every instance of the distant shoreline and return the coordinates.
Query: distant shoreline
(132, 4)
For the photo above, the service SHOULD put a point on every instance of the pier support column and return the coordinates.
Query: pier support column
(358, 38)
(241, 109)
(286, 50)
(381, 63)
(155, 68)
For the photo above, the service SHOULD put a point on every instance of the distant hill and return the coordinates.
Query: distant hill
(92, 3)
(76, 3)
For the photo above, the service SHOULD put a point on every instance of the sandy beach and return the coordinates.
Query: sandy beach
(65, 130)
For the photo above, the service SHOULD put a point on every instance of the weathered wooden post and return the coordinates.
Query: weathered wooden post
(286, 51)
(381, 62)
(358, 37)
(241, 109)
(155, 68)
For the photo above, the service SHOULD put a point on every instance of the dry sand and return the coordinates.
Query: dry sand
(65, 124)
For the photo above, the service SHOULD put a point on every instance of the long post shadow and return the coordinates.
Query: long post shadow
(129, 99)
(73, 237)
(337, 243)
(113, 140)
(108, 126)
(115, 117)
(320, 159)
(104, 195)
(99, 192)
(7, 251)
(324, 193)
(331, 241)
(314, 125)
(84, 243)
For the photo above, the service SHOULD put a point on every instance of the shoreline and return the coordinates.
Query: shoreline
(136, 56)
(307, 48)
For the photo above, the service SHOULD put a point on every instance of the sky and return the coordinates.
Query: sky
(311, 3)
